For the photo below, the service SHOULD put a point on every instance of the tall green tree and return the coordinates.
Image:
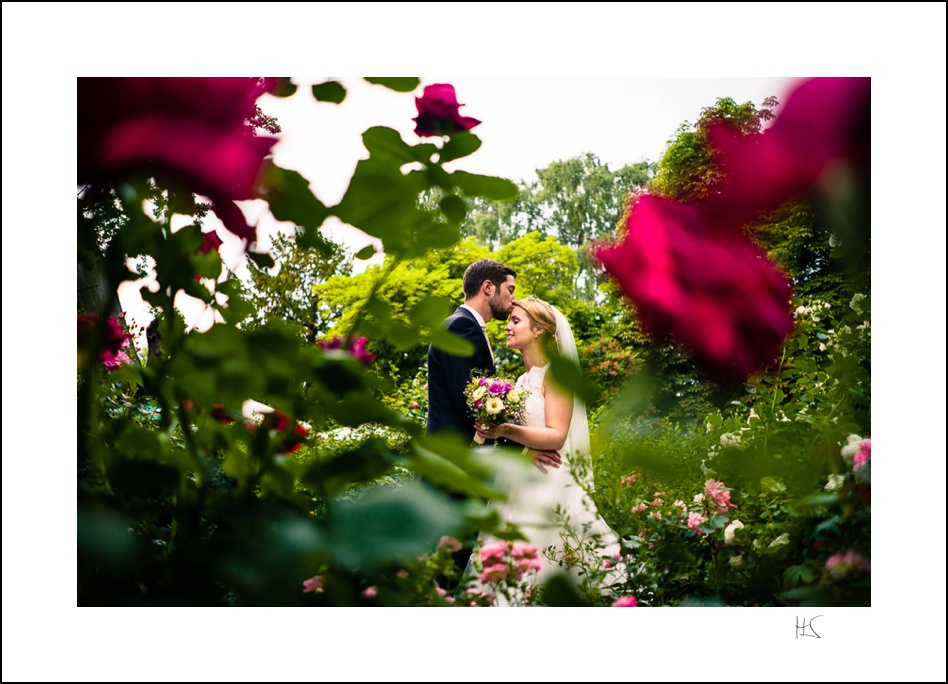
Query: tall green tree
(288, 290)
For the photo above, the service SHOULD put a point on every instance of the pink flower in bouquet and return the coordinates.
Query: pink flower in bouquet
(438, 112)
(194, 129)
(714, 292)
(695, 519)
(625, 602)
(313, 584)
(715, 491)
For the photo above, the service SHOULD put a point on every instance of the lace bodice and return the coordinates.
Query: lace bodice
(532, 382)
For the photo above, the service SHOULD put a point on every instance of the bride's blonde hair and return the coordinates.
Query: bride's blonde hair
(539, 312)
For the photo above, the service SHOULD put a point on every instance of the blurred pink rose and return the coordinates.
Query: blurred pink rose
(715, 491)
(625, 602)
(823, 121)
(438, 112)
(449, 543)
(114, 339)
(714, 292)
(313, 584)
(493, 552)
(494, 573)
(370, 592)
(695, 519)
(194, 129)
(842, 565)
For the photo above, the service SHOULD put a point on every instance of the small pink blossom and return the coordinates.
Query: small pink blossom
(493, 553)
(521, 549)
(494, 573)
(313, 584)
(658, 502)
(528, 564)
(629, 480)
(714, 490)
(625, 602)
(449, 543)
(415, 405)
(370, 592)
(438, 112)
(695, 519)
(639, 508)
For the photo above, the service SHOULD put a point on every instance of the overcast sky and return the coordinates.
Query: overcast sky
(900, 45)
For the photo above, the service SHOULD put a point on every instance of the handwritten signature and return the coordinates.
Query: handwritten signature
(802, 628)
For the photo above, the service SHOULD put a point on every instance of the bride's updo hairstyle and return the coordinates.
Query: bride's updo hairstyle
(540, 314)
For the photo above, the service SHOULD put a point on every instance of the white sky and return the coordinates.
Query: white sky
(901, 46)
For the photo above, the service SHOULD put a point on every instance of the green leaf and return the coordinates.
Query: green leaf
(284, 87)
(453, 207)
(382, 141)
(431, 311)
(404, 84)
(772, 484)
(450, 343)
(330, 91)
(366, 252)
(390, 525)
(460, 145)
(488, 187)
(290, 198)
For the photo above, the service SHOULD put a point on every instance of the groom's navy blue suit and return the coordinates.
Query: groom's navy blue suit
(448, 375)
(447, 408)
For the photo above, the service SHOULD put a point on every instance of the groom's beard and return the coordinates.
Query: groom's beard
(497, 309)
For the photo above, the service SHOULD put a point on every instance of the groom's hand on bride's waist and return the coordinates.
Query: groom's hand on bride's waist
(545, 459)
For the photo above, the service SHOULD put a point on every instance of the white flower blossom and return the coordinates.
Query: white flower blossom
(782, 540)
(834, 482)
(729, 538)
(699, 498)
(736, 560)
(833, 240)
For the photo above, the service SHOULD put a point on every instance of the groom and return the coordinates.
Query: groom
(488, 293)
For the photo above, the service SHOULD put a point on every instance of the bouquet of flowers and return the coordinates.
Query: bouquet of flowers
(493, 401)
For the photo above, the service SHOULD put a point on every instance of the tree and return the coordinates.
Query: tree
(288, 291)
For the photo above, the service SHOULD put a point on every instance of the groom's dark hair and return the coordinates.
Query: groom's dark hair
(485, 269)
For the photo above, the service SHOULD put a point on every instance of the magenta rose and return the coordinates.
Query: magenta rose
(825, 120)
(625, 602)
(714, 292)
(194, 129)
(114, 339)
(438, 112)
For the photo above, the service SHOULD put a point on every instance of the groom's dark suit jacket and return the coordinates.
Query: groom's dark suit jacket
(448, 375)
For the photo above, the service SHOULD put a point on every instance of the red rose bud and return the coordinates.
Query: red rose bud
(438, 112)
(715, 293)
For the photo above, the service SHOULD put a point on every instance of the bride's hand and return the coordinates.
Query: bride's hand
(488, 432)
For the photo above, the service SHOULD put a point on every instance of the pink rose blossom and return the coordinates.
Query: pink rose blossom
(842, 565)
(313, 584)
(715, 491)
(521, 549)
(639, 508)
(357, 348)
(438, 112)
(658, 502)
(494, 552)
(714, 292)
(194, 129)
(625, 602)
(695, 519)
(370, 592)
(494, 573)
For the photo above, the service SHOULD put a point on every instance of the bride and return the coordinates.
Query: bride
(546, 507)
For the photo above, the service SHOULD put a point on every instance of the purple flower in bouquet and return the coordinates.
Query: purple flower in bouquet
(493, 401)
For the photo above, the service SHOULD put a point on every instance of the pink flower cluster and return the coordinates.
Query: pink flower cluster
(313, 584)
(507, 561)
(194, 129)
(438, 112)
(357, 348)
(695, 519)
(114, 339)
(715, 491)
(686, 267)
(857, 452)
(496, 388)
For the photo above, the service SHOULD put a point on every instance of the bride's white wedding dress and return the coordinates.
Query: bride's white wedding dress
(553, 510)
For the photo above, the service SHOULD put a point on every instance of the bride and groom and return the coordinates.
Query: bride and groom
(554, 429)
